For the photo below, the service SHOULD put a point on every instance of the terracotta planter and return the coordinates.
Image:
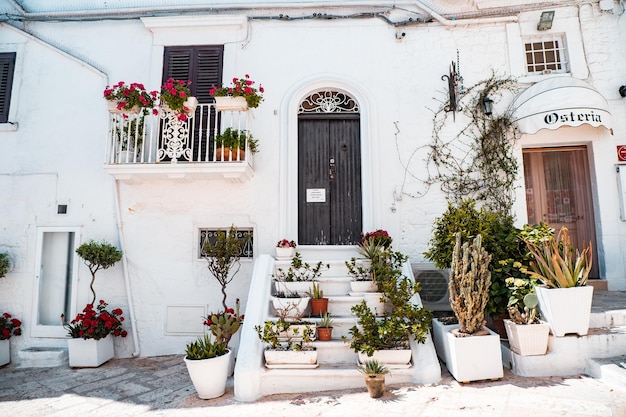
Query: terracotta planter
(5, 352)
(568, 310)
(375, 385)
(209, 375)
(324, 334)
(319, 306)
(230, 155)
(90, 352)
(528, 339)
(229, 103)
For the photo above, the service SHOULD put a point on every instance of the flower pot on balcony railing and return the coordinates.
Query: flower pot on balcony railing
(240, 96)
(129, 99)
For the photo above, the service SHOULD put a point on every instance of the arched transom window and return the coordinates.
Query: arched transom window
(328, 101)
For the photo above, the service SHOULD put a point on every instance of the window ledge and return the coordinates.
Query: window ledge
(8, 127)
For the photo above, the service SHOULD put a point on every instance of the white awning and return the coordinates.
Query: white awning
(557, 102)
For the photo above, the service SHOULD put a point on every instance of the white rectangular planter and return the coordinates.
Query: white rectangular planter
(568, 310)
(290, 358)
(5, 352)
(439, 338)
(90, 352)
(474, 358)
(230, 103)
(388, 357)
(528, 339)
(303, 288)
(292, 307)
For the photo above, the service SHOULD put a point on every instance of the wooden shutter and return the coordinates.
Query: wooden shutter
(7, 66)
(202, 65)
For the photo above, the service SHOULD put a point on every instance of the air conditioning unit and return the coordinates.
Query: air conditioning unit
(434, 284)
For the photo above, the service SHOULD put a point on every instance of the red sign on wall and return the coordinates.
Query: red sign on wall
(621, 153)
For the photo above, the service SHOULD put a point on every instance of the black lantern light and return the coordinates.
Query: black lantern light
(622, 91)
(487, 104)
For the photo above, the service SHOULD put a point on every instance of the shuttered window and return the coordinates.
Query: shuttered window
(7, 66)
(200, 64)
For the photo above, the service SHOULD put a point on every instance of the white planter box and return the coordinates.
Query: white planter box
(294, 307)
(285, 253)
(90, 352)
(300, 287)
(474, 358)
(5, 352)
(359, 287)
(209, 375)
(528, 339)
(229, 103)
(291, 358)
(439, 338)
(568, 310)
(388, 357)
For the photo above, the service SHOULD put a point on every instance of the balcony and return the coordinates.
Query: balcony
(141, 148)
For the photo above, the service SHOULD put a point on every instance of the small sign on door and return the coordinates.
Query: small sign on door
(621, 153)
(315, 195)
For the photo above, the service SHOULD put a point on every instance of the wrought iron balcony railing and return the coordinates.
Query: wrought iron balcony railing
(141, 146)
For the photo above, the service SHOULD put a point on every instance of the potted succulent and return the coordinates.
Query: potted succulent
(285, 249)
(230, 145)
(526, 333)
(469, 284)
(89, 344)
(207, 362)
(133, 99)
(374, 372)
(5, 264)
(9, 326)
(239, 96)
(563, 273)
(319, 303)
(293, 351)
(177, 101)
(325, 328)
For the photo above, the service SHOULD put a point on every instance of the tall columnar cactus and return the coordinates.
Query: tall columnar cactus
(470, 280)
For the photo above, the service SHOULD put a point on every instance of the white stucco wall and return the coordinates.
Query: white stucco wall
(55, 154)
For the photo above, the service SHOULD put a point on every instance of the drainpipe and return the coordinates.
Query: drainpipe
(129, 293)
(451, 23)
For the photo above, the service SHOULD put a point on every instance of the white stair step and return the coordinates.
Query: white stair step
(42, 357)
(611, 371)
(340, 306)
(608, 318)
(335, 352)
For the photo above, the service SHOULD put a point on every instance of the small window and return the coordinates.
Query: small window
(545, 55)
(7, 66)
(209, 235)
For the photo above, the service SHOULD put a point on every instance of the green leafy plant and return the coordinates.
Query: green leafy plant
(97, 324)
(9, 326)
(373, 367)
(222, 256)
(236, 139)
(129, 132)
(5, 264)
(357, 271)
(97, 256)
(205, 348)
(274, 334)
(554, 264)
(300, 271)
(241, 87)
(129, 96)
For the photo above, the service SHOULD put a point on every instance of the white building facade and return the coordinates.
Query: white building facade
(378, 63)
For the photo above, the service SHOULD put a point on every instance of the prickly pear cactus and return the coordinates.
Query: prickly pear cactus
(469, 284)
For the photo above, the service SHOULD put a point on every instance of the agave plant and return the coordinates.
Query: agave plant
(373, 367)
(554, 263)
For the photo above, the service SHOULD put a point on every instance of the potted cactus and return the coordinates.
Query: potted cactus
(526, 333)
(472, 351)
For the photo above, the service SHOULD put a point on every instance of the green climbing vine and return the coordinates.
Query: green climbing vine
(478, 161)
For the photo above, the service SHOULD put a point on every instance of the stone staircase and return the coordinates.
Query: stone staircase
(600, 353)
(337, 362)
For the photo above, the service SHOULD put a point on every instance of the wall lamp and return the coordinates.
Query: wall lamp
(622, 91)
(545, 21)
(487, 105)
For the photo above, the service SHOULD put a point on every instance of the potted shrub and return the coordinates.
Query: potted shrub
(207, 362)
(563, 273)
(291, 305)
(526, 333)
(97, 256)
(230, 145)
(9, 326)
(325, 328)
(473, 351)
(89, 344)
(297, 278)
(292, 351)
(176, 99)
(285, 249)
(5, 264)
(374, 372)
(319, 303)
(239, 96)
(362, 280)
(132, 99)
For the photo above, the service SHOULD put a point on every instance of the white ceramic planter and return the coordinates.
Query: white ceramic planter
(293, 307)
(568, 310)
(300, 287)
(439, 338)
(229, 103)
(359, 287)
(474, 358)
(113, 109)
(528, 339)
(285, 253)
(209, 375)
(372, 299)
(191, 103)
(290, 358)
(5, 352)
(388, 357)
(90, 352)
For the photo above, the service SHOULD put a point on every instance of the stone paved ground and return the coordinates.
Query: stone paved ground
(160, 386)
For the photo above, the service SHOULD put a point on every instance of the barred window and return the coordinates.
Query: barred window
(210, 235)
(546, 55)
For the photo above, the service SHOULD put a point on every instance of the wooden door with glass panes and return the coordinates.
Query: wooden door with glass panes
(558, 192)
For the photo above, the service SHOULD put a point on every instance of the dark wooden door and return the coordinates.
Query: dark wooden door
(329, 179)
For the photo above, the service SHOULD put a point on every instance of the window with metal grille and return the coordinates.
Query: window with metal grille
(7, 67)
(546, 55)
(210, 235)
